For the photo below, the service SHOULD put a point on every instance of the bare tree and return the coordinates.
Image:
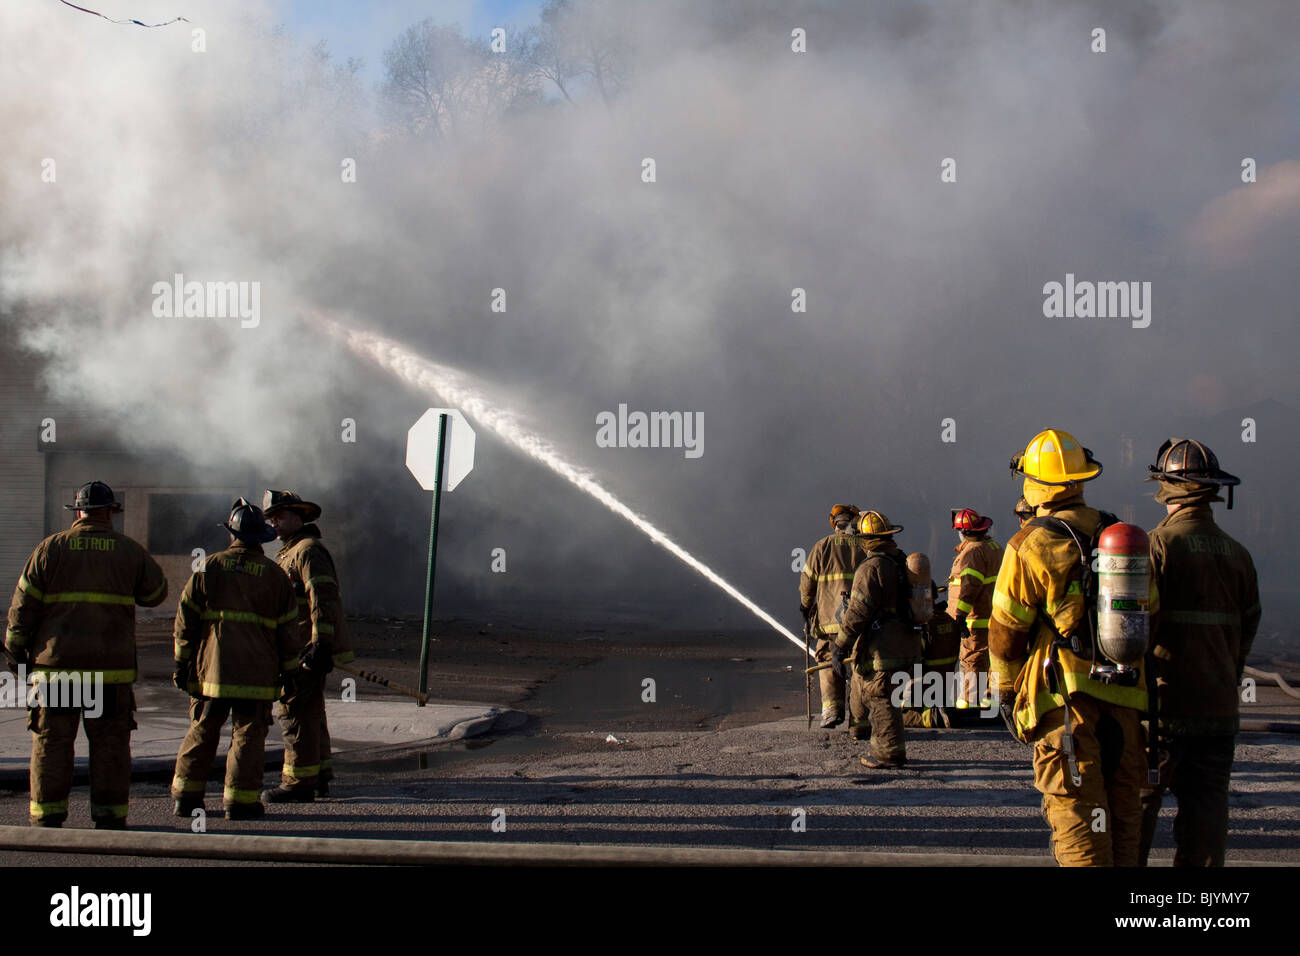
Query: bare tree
(439, 81)
(577, 41)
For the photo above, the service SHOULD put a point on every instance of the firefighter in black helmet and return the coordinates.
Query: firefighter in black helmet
(73, 613)
(1209, 612)
(236, 642)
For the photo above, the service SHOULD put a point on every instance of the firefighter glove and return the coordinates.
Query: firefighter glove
(838, 666)
(1007, 708)
(21, 656)
(318, 657)
(181, 676)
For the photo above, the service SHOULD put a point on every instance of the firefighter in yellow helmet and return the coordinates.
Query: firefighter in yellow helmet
(1210, 611)
(1085, 727)
(876, 630)
(827, 574)
(308, 767)
(236, 642)
(975, 564)
(73, 613)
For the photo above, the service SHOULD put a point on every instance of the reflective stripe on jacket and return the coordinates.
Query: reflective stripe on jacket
(1209, 614)
(970, 585)
(316, 585)
(74, 606)
(886, 642)
(1040, 574)
(237, 621)
(826, 574)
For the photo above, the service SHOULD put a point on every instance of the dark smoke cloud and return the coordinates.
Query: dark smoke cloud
(775, 170)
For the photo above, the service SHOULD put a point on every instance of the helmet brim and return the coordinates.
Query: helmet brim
(268, 534)
(1215, 476)
(307, 510)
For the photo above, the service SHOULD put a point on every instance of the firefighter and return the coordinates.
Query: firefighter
(1088, 744)
(940, 644)
(1209, 613)
(975, 564)
(1023, 511)
(827, 574)
(236, 641)
(877, 622)
(308, 767)
(74, 611)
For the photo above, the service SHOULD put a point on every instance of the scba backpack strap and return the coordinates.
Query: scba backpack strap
(1087, 548)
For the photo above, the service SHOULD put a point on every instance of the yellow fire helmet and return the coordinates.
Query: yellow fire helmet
(875, 524)
(1055, 457)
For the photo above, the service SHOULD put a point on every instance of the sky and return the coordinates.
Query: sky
(775, 170)
(364, 30)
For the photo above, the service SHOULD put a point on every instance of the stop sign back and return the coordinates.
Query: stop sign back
(422, 449)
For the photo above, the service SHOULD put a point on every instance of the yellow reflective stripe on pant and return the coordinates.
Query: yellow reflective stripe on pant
(238, 691)
(940, 661)
(185, 785)
(99, 811)
(302, 773)
(48, 809)
(231, 795)
(344, 657)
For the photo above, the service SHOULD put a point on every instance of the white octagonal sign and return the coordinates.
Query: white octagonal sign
(422, 449)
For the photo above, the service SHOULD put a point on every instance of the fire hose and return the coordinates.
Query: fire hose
(385, 682)
(1273, 676)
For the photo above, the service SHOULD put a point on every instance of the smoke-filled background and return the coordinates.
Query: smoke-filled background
(774, 170)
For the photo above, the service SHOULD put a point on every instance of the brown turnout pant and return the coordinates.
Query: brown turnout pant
(306, 736)
(1098, 823)
(54, 734)
(246, 759)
